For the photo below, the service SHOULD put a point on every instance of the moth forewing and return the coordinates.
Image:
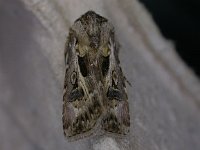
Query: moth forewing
(117, 119)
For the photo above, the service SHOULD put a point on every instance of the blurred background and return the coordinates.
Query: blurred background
(179, 21)
(164, 97)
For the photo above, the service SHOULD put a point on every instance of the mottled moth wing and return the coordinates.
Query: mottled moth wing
(81, 102)
(117, 119)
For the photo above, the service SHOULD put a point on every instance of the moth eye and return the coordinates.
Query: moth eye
(73, 77)
(114, 77)
(82, 66)
(105, 65)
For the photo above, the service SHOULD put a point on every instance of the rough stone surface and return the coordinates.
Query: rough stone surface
(164, 97)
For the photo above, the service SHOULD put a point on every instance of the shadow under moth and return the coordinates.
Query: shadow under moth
(94, 88)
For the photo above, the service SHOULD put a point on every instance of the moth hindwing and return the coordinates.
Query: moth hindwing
(94, 88)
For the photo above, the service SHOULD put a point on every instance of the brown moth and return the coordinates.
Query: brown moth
(94, 88)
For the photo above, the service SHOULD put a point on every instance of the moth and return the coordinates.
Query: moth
(95, 95)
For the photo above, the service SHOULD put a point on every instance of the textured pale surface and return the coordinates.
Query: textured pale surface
(106, 143)
(164, 97)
